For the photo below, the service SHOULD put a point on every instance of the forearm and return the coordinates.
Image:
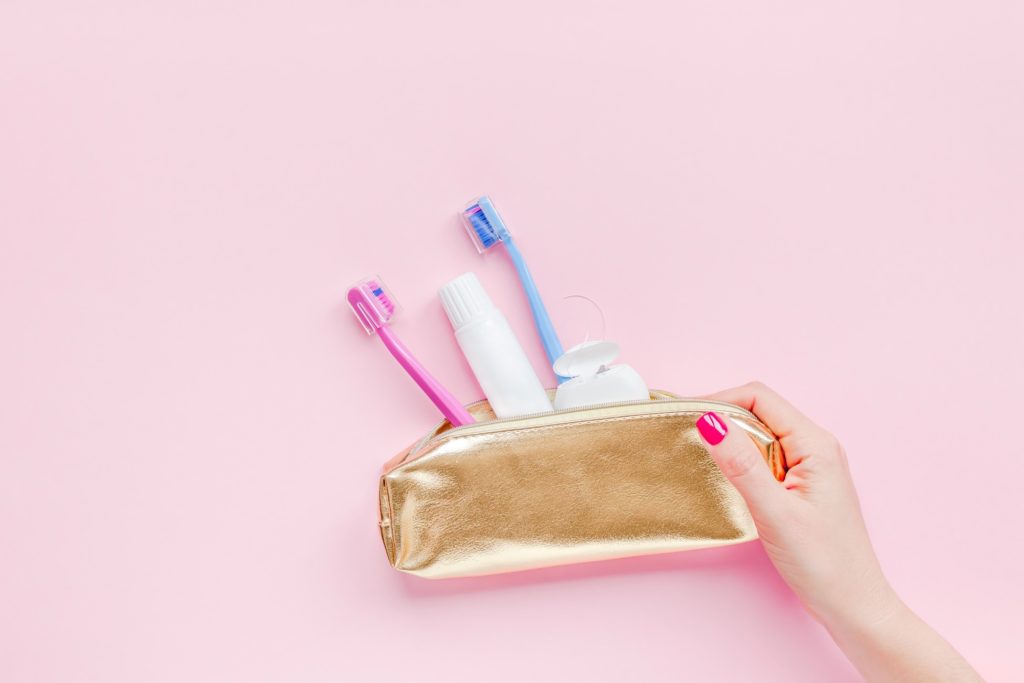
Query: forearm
(889, 643)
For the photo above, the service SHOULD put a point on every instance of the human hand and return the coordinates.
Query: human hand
(810, 524)
(813, 530)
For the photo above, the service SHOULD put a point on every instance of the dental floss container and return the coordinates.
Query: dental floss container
(492, 350)
(594, 380)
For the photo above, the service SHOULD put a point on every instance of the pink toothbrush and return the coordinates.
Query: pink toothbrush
(374, 306)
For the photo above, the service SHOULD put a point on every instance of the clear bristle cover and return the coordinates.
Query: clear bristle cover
(372, 303)
(483, 223)
(471, 231)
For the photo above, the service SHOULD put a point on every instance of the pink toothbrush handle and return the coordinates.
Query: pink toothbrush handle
(446, 403)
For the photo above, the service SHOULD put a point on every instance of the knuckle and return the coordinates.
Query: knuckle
(831, 444)
(740, 462)
(826, 449)
(842, 457)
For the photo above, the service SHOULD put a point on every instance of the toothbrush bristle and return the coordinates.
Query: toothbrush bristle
(382, 296)
(483, 228)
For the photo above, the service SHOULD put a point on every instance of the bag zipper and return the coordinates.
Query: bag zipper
(498, 424)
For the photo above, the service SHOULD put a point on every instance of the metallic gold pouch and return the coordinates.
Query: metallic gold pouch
(559, 488)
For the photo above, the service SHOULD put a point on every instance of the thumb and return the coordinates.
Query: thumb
(741, 462)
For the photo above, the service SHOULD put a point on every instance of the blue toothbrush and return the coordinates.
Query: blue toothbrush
(487, 229)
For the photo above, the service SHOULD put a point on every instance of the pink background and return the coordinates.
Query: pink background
(824, 196)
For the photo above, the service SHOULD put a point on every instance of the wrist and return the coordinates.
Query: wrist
(869, 613)
(864, 605)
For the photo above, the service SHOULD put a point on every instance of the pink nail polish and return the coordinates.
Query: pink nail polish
(712, 428)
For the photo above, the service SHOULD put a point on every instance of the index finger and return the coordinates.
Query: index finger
(776, 412)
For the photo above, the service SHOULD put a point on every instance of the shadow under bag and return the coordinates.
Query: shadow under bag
(558, 488)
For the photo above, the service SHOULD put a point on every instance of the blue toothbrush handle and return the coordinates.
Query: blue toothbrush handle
(548, 337)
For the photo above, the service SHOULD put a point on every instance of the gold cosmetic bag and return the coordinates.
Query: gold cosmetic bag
(558, 488)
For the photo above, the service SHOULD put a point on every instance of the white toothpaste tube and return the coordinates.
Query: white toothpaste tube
(492, 350)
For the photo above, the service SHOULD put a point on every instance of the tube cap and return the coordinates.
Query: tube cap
(464, 298)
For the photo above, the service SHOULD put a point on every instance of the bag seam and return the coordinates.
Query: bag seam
(540, 428)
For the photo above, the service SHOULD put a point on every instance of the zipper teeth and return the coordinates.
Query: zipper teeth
(597, 406)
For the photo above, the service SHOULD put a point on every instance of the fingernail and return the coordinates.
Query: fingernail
(712, 428)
